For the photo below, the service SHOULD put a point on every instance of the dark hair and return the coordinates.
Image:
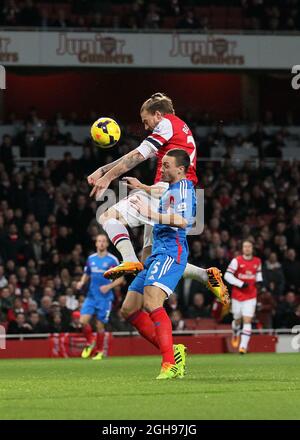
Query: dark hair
(182, 158)
(158, 102)
(247, 240)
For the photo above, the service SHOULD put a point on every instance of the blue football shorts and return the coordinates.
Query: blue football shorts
(161, 271)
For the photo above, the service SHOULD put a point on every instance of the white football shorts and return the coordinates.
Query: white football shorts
(133, 217)
(243, 308)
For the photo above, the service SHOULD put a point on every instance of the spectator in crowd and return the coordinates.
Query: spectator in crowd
(291, 270)
(177, 320)
(3, 280)
(36, 326)
(198, 309)
(189, 21)
(273, 273)
(285, 314)
(19, 325)
(266, 306)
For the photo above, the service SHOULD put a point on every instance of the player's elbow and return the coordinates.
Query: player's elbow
(227, 277)
(182, 223)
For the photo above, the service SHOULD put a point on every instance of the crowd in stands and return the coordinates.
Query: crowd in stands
(48, 227)
(259, 140)
(271, 15)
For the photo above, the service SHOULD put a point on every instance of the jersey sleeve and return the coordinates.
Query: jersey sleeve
(87, 268)
(233, 266)
(161, 134)
(113, 261)
(259, 278)
(184, 200)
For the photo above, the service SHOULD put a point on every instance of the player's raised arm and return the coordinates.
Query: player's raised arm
(171, 219)
(126, 163)
(99, 172)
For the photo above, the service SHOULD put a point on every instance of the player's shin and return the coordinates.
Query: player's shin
(88, 334)
(145, 326)
(245, 337)
(236, 331)
(236, 328)
(163, 330)
(195, 273)
(119, 236)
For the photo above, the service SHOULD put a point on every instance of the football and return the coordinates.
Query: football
(105, 132)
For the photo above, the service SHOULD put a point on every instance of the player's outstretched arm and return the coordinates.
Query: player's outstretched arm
(155, 191)
(126, 163)
(99, 172)
(116, 283)
(171, 219)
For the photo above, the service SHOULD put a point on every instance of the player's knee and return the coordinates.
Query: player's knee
(150, 304)
(101, 219)
(83, 320)
(126, 311)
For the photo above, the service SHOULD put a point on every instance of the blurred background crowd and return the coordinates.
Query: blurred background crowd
(269, 15)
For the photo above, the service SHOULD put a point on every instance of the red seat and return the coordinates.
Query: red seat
(235, 23)
(202, 12)
(218, 22)
(235, 12)
(200, 324)
(169, 23)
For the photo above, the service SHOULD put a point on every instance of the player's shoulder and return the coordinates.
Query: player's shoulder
(169, 123)
(256, 260)
(239, 258)
(113, 258)
(92, 256)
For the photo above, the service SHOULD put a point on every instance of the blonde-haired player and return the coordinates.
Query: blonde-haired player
(168, 132)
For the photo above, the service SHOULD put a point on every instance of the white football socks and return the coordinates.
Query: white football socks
(236, 328)
(195, 273)
(118, 235)
(246, 334)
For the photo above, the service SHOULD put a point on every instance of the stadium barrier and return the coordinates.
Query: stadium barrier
(64, 345)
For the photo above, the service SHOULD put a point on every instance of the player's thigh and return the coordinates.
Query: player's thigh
(132, 303)
(236, 308)
(134, 298)
(248, 310)
(87, 310)
(154, 298)
(99, 326)
(103, 311)
(164, 273)
(148, 241)
(148, 236)
(111, 213)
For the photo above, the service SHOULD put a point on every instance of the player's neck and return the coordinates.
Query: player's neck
(177, 180)
(247, 257)
(101, 253)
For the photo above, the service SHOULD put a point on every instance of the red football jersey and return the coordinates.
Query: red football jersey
(170, 133)
(248, 271)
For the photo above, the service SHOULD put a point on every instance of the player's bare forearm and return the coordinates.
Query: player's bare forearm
(175, 220)
(109, 166)
(84, 278)
(118, 282)
(153, 190)
(126, 163)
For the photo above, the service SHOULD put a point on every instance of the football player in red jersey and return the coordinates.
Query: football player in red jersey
(168, 132)
(243, 273)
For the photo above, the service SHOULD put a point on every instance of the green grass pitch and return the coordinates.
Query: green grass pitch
(256, 386)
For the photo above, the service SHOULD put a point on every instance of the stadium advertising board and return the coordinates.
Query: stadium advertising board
(199, 51)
